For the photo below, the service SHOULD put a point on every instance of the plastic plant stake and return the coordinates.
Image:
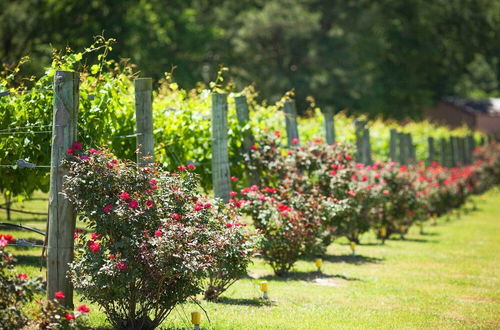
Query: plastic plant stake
(353, 248)
(318, 262)
(264, 288)
(195, 319)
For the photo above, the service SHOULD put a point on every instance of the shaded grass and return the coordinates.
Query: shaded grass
(447, 278)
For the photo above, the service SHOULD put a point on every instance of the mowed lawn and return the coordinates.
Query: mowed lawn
(447, 278)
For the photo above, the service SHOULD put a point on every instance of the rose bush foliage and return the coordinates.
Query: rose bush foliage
(155, 237)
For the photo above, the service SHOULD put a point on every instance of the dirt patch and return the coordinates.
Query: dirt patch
(325, 281)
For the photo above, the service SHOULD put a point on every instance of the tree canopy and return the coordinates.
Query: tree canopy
(388, 57)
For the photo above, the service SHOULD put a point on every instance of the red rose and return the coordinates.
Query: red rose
(76, 145)
(70, 151)
(69, 316)
(295, 141)
(277, 133)
(229, 225)
(158, 233)
(22, 276)
(93, 151)
(59, 295)
(181, 168)
(198, 206)
(124, 196)
(176, 216)
(95, 236)
(254, 147)
(133, 204)
(94, 246)
(191, 166)
(122, 265)
(83, 309)
(8, 237)
(107, 208)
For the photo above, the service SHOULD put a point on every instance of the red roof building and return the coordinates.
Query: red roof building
(480, 115)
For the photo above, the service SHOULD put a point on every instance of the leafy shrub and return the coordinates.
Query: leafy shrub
(232, 259)
(155, 237)
(287, 233)
(15, 289)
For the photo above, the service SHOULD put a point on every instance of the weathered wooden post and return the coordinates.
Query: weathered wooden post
(461, 150)
(431, 151)
(442, 152)
(453, 153)
(471, 146)
(411, 149)
(144, 120)
(292, 132)
(403, 149)
(393, 145)
(248, 138)
(220, 157)
(62, 216)
(367, 147)
(329, 125)
(359, 131)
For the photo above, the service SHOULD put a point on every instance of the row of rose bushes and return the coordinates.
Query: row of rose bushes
(155, 240)
(312, 194)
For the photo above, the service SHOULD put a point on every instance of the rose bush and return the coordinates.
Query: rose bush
(239, 245)
(155, 237)
(16, 289)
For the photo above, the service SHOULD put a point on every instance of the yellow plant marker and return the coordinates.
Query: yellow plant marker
(319, 263)
(353, 248)
(264, 288)
(383, 232)
(196, 319)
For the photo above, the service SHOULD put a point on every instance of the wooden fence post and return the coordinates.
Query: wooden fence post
(248, 139)
(411, 149)
(329, 125)
(62, 216)
(453, 152)
(144, 120)
(359, 131)
(463, 150)
(471, 146)
(367, 148)
(442, 152)
(220, 157)
(403, 150)
(431, 150)
(393, 145)
(292, 132)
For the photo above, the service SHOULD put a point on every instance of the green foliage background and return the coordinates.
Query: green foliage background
(388, 57)
(181, 120)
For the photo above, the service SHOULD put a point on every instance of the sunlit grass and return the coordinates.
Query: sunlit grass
(446, 278)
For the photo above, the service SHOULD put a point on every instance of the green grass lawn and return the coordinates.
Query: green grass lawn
(447, 278)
